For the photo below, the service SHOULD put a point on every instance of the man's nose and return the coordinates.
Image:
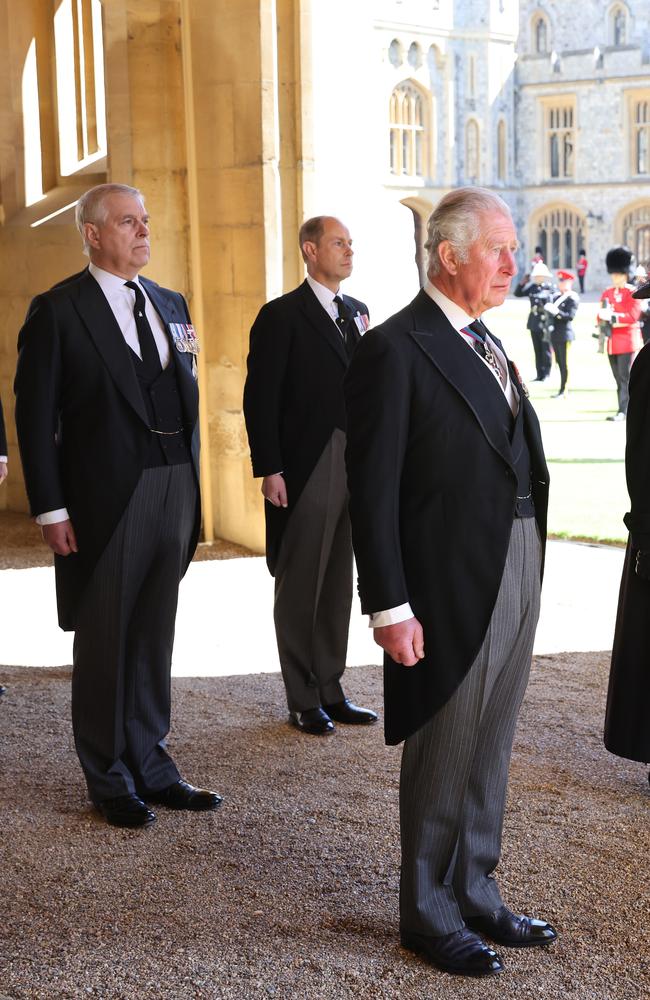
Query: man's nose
(509, 263)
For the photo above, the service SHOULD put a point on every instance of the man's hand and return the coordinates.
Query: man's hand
(403, 642)
(60, 537)
(3, 471)
(274, 489)
(642, 565)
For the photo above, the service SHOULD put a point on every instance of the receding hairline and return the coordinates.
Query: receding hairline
(312, 229)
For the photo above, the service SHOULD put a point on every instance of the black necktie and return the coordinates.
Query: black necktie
(148, 349)
(345, 325)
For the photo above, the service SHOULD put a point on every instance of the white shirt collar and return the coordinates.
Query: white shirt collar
(456, 316)
(110, 284)
(459, 319)
(324, 295)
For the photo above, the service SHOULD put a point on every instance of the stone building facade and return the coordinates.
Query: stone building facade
(547, 102)
(239, 120)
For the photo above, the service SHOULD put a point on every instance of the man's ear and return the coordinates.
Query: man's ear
(308, 249)
(91, 233)
(447, 256)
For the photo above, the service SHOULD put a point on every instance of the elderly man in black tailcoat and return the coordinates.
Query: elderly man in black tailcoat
(448, 496)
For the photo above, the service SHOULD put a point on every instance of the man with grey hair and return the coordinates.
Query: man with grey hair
(448, 496)
(107, 419)
(295, 416)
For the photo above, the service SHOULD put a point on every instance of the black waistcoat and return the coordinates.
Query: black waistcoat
(514, 427)
(162, 401)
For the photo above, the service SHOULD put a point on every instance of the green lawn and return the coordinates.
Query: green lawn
(585, 452)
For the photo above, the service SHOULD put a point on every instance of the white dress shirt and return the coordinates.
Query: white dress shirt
(326, 298)
(121, 299)
(459, 319)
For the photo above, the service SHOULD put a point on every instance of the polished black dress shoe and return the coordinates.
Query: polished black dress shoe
(511, 929)
(462, 953)
(345, 711)
(126, 810)
(2, 690)
(182, 795)
(314, 721)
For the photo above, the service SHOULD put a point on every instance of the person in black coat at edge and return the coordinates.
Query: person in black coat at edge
(3, 472)
(627, 717)
(560, 313)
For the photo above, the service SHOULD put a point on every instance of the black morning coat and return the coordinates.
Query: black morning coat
(627, 719)
(82, 426)
(293, 397)
(432, 496)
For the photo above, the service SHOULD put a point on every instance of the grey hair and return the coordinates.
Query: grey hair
(454, 219)
(91, 206)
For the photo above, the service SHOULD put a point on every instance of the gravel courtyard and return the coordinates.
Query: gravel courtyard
(290, 889)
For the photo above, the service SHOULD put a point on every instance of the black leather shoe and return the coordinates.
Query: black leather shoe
(2, 690)
(511, 929)
(462, 953)
(182, 795)
(126, 810)
(345, 711)
(314, 721)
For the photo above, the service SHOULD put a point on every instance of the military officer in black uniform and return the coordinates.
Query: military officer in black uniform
(539, 287)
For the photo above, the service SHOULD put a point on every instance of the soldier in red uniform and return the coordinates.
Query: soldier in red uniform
(621, 313)
(583, 264)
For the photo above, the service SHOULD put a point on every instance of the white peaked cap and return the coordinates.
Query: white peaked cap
(540, 270)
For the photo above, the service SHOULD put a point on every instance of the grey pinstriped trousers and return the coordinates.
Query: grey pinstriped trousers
(313, 585)
(455, 768)
(124, 638)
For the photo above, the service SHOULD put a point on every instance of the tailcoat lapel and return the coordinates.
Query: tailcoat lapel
(462, 368)
(97, 316)
(319, 319)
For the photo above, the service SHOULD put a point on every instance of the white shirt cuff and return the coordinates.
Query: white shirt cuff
(53, 516)
(3, 458)
(393, 616)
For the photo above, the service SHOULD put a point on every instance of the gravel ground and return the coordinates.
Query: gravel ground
(21, 546)
(290, 889)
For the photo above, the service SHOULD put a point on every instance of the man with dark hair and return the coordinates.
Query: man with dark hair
(295, 416)
(448, 497)
(107, 419)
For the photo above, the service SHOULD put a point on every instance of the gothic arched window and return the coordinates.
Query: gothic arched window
(560, 232)
(409, 139)
(618, 25)
(540, 35)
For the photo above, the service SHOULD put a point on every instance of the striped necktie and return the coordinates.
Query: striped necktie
(477, 331)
